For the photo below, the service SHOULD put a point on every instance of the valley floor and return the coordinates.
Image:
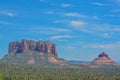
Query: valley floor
(100, 72)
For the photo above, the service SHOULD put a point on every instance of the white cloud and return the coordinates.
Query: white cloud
(95, 46)
(69, 47)
(65, 5)
(110, 15)
(74, 14)
(7, 13)
(49, 12)
(77, 23)
(107, 35)
(97, 3)
(101, 30)
(10, 14)
(106, 27)
(95, 17)
(59, 21)
(104, 30)
(47, 30)
(115, 10)
(104, 46)
(61, 36)
(6, 23)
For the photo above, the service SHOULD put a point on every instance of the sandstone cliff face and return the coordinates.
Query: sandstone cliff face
(30, 45)
(103, 59)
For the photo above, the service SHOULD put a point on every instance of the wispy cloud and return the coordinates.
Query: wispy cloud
(42, 0)
(69, 47)
(49, 12)
(47, 30)
(117, 0)
(61, 36)
(74, 14)
(7, 13)
(115, 10)
(104, 46)
(106, 35)
(10, 14)
(78, 15)
(77, 23)
(101, 30)
(65, 5)
(6, 23)
(98, 4)
(59, 21)
(106, 27)
(95, 17)
(104, 30)
(110, 15)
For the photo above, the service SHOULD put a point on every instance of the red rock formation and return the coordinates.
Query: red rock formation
(13, 47)
(24, 45)
(30, 45)
(54, 49)
(103, 59)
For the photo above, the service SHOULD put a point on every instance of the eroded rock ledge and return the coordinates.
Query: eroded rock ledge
(30, 45)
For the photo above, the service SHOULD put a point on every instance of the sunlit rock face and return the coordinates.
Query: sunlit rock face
(30, 45)
(30, 52)
(103, 58)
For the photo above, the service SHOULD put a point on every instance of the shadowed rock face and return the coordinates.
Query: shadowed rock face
(103, 55)
(103, 59)
(30, 45)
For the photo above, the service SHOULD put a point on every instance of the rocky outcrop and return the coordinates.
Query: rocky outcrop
(30, 45)
(103, 58)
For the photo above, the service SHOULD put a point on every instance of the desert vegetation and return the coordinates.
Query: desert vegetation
(101, 72)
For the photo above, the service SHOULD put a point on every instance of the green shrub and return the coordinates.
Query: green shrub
(1, 78)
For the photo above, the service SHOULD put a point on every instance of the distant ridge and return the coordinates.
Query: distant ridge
(103, 58)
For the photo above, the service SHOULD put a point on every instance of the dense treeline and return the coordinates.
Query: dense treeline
(104, 72)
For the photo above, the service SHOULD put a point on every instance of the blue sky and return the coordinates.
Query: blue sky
(81, 29)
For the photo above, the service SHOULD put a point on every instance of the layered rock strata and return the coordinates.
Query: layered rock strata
(30, 45)
(103, 58)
